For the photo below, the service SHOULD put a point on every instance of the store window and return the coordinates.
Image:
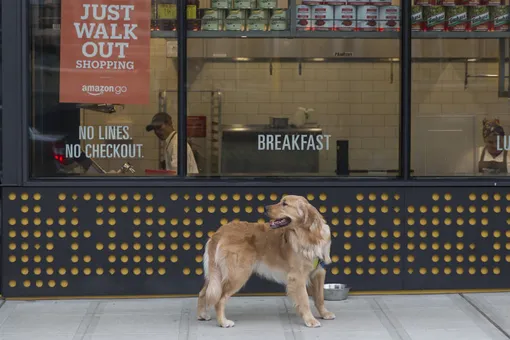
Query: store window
(274, 88)
(460, 89)
(96, 89)
(300, 88)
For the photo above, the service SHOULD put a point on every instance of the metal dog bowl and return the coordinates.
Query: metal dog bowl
(336, 291)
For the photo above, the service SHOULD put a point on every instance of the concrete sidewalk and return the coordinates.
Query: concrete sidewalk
(418, 317)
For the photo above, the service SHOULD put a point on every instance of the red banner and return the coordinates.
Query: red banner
(105, 51)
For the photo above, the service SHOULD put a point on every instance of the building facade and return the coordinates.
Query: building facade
(389, 117)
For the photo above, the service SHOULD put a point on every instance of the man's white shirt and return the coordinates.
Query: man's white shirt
(171, 155)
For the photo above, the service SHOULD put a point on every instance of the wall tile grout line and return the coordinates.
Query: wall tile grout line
(485, 315)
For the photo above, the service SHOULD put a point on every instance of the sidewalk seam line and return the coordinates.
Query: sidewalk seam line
(498, 327)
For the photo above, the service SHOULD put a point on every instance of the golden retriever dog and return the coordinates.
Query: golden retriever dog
(287, 250)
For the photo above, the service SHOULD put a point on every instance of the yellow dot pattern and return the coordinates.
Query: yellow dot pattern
(84, 241)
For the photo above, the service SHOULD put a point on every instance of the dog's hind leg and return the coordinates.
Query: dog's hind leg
(235, 282)
(202, 305)
(317, 291)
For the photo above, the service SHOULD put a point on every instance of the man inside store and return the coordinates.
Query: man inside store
(163, 128)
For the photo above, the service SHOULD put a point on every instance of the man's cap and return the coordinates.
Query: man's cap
(159, 119)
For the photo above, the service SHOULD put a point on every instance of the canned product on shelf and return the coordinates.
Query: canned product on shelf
(358, 2)
(313, 2)
(456, 19)
(424, 2)
(434, 18)
(213, 19)
(368, 18)
(268, 4)
(445, 2)
(345, 18)
(500, 18)
(303, 18)
(479, 19)
(380, 2)
(245, 4)
(417, 18)
(492, 2)
(278, 20)
(335, 2)
(235, 20)
(468, 3)
(258, 20)
(389, 18)
(322, 18)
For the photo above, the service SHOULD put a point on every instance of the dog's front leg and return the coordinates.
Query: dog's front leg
(317, 290)
(296, 289)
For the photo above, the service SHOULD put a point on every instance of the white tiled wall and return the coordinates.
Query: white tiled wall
(354, 101)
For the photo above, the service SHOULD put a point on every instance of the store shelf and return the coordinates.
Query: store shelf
(280, 34)
(460, 35)
(347, 35)
(237, 34)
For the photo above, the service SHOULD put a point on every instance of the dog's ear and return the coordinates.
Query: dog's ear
(303, 210)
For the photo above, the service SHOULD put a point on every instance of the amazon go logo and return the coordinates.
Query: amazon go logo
(98, 90)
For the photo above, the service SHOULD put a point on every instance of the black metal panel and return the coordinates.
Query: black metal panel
(14, 91)
(458, 238)
(114, 241)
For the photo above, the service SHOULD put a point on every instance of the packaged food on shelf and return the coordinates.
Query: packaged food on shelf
(358, 2)
(456, 19)
(424, 2)
(380, 2)
(258, 20)
(268, 4)
(167, 14)
(500, 18)
(492, 2)
(322, 18)
(389, 18)
(417, 18)
(345, 18)
(368, 18)
(221, 4)
(468, 2)
(236, 20)
(303, 18)
(245, 4)
(434, 18)
(479, 19)
(279, 20)
(213, 19)
(193, 22)
(445, 2)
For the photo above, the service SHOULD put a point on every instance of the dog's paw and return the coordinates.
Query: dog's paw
(312, 323)
(328, 316)
(227, 324)
(204, 317)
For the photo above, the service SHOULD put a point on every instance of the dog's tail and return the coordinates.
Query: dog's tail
(212, 274)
